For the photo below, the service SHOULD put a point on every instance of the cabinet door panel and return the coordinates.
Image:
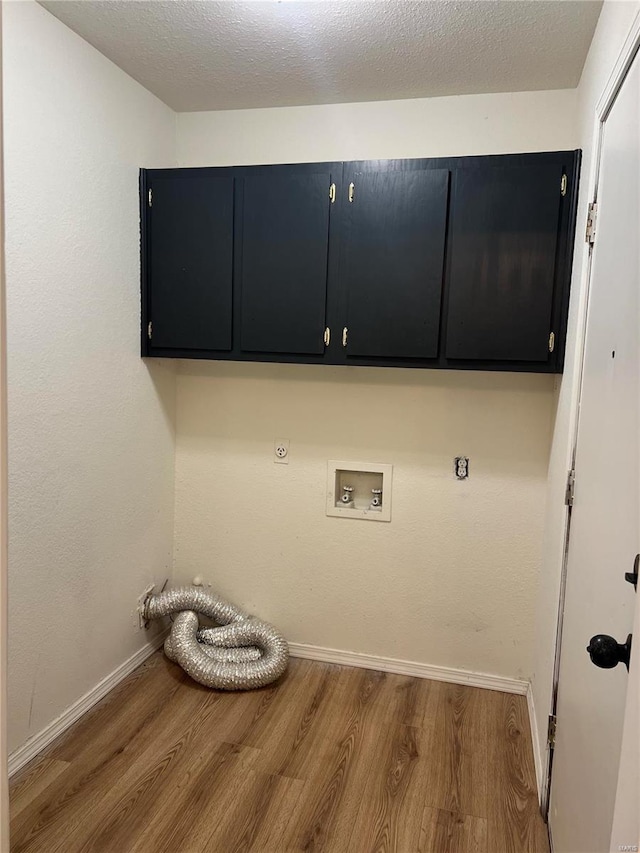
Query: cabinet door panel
(393, 262)
(191, 261)
(503, 238)
(285, 236)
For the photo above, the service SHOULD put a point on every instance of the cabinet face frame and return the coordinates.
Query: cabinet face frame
(336, 298)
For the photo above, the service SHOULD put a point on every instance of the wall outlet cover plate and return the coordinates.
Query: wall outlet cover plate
(281, 451)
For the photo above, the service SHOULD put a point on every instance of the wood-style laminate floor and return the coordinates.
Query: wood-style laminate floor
(329, 759)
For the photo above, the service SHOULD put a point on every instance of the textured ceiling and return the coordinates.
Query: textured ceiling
(212, 55)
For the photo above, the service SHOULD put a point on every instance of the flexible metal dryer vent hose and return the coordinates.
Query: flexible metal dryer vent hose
(241, 654)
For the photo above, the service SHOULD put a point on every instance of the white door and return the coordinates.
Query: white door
(605, 519)
(626, 817)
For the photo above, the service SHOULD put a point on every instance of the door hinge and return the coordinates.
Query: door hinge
(592, 215)
(149, 329)
(352, 191)
(552, 342)
(345, 332)
(571, 488)
(332, 193)
(150, 198)
(327, 336)
(551, 730)
(563, 185)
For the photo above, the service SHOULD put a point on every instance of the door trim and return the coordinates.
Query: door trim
(625, 59)
(628, 52)
(4, 781)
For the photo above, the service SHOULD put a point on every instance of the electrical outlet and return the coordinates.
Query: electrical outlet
(142, 622)
(461, 467)
(281, 451)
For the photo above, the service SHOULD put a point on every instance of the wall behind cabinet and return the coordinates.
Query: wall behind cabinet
(452, 580)
(464, 125)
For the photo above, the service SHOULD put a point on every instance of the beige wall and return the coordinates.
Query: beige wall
(449, 581)
(614, 24)
(426, 127)
(452, 579)
(91, 433)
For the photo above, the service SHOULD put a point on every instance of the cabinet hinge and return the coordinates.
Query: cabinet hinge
(551, 730)
(571, 487)
(563, 185)
(149, 329)
(327, 336)
(345, 332)
(150, 198)
(352, 191)
(552, 341)
(332, 193)
(592, 215)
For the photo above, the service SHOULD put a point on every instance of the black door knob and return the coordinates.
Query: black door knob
(606, 652)
(632, 577)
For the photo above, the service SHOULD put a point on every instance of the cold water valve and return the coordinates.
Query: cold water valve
(346, 499)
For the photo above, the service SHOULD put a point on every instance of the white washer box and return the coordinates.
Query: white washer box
(363, 477)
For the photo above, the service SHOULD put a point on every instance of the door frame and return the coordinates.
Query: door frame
(628, 52)
(4, 780)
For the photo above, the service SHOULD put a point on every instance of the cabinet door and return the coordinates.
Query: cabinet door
(190, 259)
(285, 237)
(393, 261)
(503, 240)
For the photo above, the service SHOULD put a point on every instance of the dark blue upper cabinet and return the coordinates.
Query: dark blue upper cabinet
(189, 259)
(448, 263)
(392, 262)
(284, 244)
(503, 241)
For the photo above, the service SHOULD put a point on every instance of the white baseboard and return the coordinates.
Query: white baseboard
(38, 742)
(406, 667)
(535, 742)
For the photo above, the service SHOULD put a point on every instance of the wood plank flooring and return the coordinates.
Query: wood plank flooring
(329, 759)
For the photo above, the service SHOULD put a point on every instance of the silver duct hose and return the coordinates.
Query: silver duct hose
(242, 654)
